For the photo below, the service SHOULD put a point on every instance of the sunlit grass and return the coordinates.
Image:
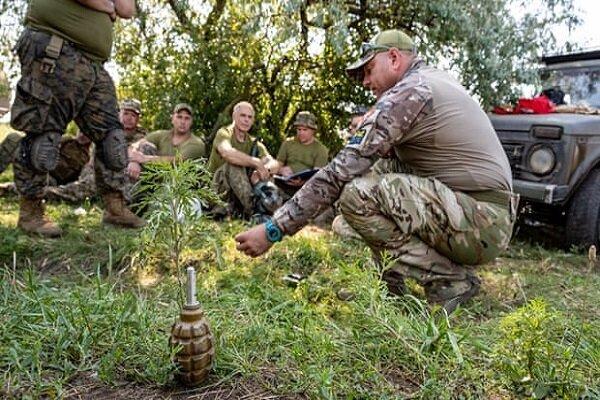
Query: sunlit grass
(86, 303)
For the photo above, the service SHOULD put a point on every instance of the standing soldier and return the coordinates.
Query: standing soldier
(444, 202)
(62, 51)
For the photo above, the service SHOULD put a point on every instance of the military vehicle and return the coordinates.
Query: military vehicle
(555, 158)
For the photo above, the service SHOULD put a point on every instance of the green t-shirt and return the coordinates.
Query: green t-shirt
(89, 30)
(190, 149)
(226, 133)
(300, 156)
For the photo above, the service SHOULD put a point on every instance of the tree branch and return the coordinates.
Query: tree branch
(179, 13)
(213, 19)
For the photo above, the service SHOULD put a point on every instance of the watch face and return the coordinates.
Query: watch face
(273, 232)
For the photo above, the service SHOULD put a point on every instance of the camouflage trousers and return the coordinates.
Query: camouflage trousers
(46, 101)
(9, 149)
(420, 228)
(231, 182)
(83, 188)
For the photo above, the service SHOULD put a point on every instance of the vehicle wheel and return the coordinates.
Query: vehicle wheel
(583, 214)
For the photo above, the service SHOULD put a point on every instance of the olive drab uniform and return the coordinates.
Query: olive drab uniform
(61, 52)
(232, 181)
(439, 203)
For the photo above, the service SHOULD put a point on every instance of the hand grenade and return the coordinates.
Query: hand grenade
(193, 334)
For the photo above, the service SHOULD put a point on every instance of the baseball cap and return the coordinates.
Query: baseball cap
(306, 118)
(183, 106)
(383, 41)
(133, 105)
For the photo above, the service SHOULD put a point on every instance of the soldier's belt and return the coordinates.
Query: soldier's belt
(500, 197)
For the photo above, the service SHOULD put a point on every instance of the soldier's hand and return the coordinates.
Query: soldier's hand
(254, 241)
(296, 182)
(286, 171)
(263, 173)
(136, 156)
(134, 169)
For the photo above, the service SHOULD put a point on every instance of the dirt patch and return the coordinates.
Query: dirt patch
(88, 388)
(406, 383)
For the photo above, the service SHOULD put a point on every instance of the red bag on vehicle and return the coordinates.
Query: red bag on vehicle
(538, 105)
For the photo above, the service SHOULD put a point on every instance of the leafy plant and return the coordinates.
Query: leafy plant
(536, 351)
(175, 196)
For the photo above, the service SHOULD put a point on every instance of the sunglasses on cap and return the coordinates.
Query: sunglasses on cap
(367, 49)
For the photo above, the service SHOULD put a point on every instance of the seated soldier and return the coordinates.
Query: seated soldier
(85, 186)
(175, 142)
(239, 162)
(74, 154)
(302, 152)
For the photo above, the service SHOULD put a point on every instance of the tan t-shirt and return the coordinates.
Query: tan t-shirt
(226, 134)
(300, 157)
(89, 30)
(193, 148)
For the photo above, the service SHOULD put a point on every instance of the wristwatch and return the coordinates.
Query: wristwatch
(274, 234)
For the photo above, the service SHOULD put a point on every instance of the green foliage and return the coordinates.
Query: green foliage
(536, 352)
(175, 196)
(52, 333)
(288, 56)
(80, 329)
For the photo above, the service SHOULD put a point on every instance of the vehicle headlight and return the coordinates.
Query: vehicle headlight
(542, 160)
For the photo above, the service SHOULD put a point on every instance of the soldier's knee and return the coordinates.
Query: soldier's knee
(14, 138)
(113, 150)
(350, 198)
(41, 152)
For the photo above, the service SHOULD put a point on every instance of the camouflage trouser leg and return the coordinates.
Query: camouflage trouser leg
(46, 101)
(8, 149)
(82, 188)
(232, 181)
(429, 231)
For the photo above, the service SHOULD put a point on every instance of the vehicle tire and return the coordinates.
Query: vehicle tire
(583, 213)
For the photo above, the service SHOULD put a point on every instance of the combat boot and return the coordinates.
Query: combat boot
(450, 294)
(394, 282)
(117, 213)
(32, 218)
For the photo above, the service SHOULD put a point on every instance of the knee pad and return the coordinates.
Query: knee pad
(113, 150)
(41, 152)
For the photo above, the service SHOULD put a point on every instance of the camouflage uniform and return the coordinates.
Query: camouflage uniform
(232, 184)
(9, 149)
(85, 186)
(431, 215)
(73, 158)
(46, 101)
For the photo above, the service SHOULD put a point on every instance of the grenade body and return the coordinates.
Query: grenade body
(196, 356)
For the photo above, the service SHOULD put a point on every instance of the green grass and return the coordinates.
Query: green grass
(84, 311)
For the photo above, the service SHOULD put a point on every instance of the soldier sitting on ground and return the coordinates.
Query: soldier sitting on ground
(74, 155)
(179, 141)
(85, 186)
(237, 171)
(302, 152)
